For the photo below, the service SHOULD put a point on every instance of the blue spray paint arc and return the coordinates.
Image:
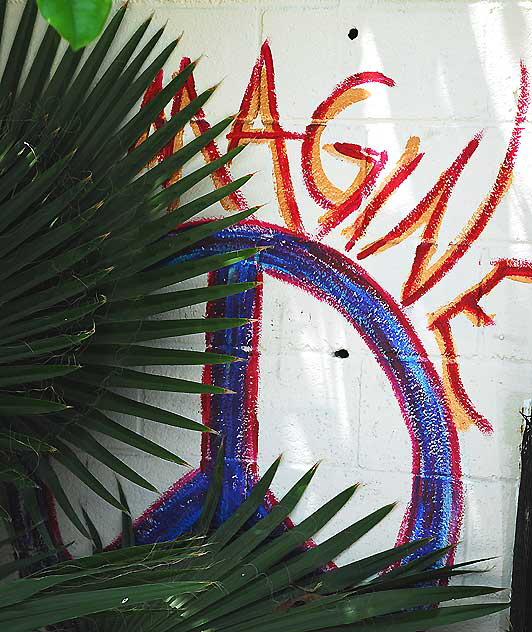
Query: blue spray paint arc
(435, 507)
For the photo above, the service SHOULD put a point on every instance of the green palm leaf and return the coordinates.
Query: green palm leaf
(81, 232)
(243, 577)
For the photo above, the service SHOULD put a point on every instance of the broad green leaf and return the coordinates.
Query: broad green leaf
(78, 21)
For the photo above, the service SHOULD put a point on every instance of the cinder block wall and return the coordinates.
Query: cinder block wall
(456, 70)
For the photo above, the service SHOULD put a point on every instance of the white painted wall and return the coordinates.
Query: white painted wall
(456, 68)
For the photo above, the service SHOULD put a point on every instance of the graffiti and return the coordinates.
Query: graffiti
(433, 407)
(464, 413)
(222, 176)
(436, 500)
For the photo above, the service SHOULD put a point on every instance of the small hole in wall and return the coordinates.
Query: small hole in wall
(353, 34)
(341, 353)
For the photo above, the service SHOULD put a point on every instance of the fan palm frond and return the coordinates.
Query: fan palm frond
(248, 574)
(80, 234)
